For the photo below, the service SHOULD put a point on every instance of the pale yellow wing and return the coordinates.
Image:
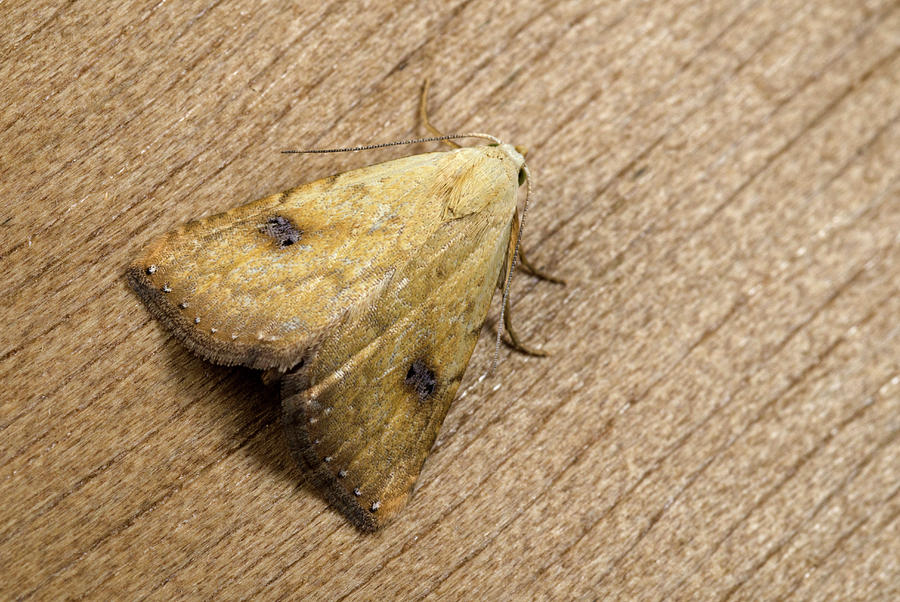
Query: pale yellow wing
(262, 285)
(362, 418)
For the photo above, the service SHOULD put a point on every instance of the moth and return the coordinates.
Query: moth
(364, 292)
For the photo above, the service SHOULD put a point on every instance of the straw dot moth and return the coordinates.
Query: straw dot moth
(365, 292)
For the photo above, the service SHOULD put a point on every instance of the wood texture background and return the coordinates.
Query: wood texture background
(719, 181)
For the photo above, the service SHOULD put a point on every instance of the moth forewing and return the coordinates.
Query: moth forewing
(262, 303)
(363, 421)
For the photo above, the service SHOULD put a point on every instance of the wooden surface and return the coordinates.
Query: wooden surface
(719, 181)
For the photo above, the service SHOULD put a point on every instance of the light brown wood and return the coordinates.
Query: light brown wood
(718, 182)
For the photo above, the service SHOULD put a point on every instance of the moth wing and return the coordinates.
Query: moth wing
(259, 285)
(362, 427)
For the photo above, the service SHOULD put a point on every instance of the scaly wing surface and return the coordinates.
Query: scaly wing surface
(261, 284)
(365, 425)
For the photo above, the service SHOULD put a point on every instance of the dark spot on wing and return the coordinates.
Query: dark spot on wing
(421, 379)
(282, 231)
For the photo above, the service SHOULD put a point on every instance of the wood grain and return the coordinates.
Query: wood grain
(718, 181)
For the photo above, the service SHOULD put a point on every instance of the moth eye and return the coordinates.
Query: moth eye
(421, 379)
(522, 177)
(282, 230)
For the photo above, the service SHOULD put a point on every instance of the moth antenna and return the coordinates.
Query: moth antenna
(423, 115)
(512, 267)
(395, 143)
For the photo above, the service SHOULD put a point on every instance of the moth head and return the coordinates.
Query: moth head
(522, 174)
(517, 155)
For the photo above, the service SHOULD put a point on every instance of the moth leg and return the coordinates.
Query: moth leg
(423, 114)
(515, 343)
(527, 267)
(522, 262)
(511, 255)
